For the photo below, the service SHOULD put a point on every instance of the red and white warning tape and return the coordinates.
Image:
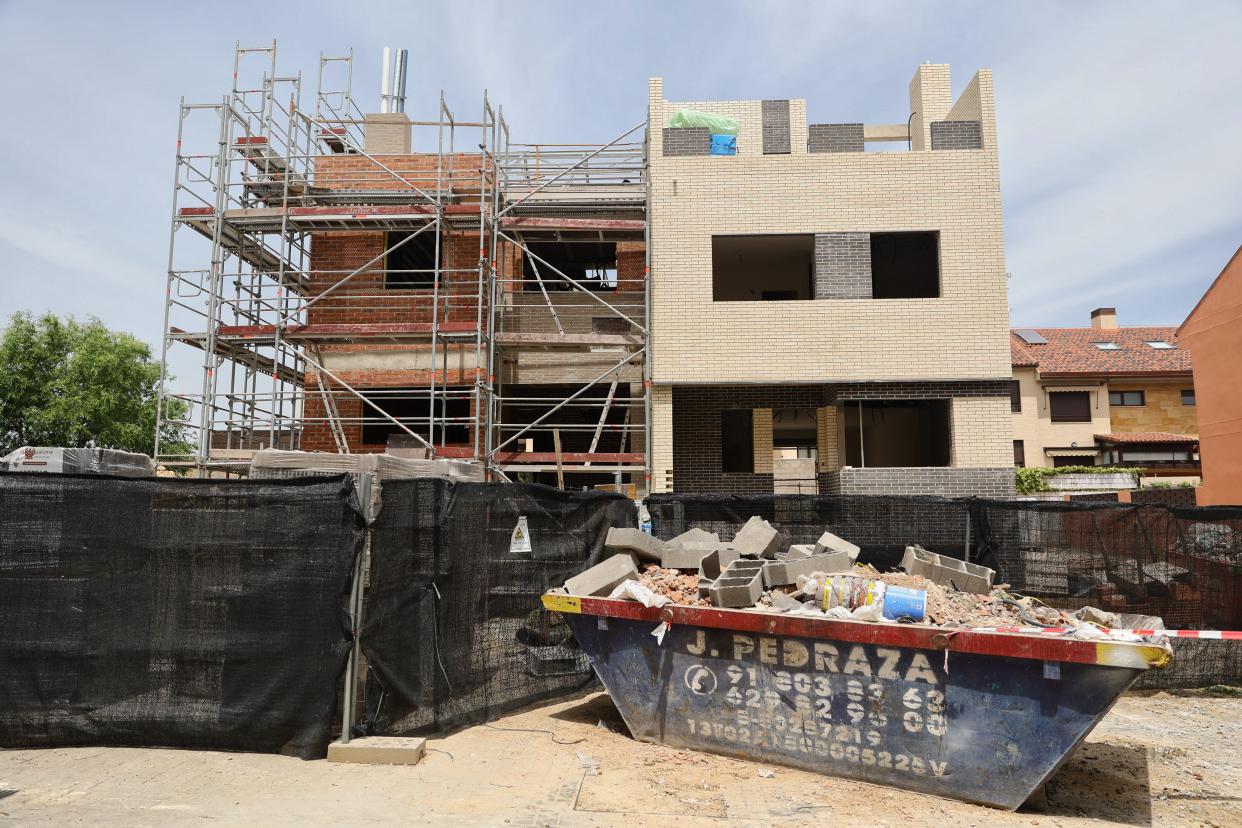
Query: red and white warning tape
(1228, 635)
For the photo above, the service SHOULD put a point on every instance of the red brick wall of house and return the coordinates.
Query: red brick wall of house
(365, 300)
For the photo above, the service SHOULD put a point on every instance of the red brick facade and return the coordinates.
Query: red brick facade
(365, 299)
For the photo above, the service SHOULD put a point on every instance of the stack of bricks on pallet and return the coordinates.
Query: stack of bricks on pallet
(740, 585)
(945, 571)
(641, 545)
(786, 571)
(602, 578)
(758, 539)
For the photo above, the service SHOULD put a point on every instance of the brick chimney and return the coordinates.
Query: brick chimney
(386, 133)
(1105, 319)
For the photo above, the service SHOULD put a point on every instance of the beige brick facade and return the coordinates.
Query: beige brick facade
(960, 336)
(762, 426)
(981, 432)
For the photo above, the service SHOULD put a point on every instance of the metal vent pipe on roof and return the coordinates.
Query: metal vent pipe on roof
(392, 82)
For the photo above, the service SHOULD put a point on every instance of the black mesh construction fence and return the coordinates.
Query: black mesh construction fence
(453, 629)
(1181, 564)
(882, 526)
(175, 613)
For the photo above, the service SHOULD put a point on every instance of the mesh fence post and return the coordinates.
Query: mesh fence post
(355, 612)
(966, 553)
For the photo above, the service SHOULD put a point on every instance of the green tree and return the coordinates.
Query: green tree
(64, 383)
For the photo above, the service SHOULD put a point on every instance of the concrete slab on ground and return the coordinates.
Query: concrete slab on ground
(379, 750)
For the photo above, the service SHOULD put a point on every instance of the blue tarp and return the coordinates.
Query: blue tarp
(724, 145)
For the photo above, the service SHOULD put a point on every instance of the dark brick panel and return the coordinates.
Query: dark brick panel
(776, 127)
(939, 481)
(687, 141)
(956, 135)
(835, 138)
(917, 390)
(1180, 496)
(843, 266)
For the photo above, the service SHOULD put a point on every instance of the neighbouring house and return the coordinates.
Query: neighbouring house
(1104, 395)
(824, 317)
(1213, 334)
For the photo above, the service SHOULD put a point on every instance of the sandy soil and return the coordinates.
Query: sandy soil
(1155, 760)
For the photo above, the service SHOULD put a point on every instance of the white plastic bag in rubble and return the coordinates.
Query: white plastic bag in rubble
(1089, 632)
(634, 591)
(869, 612)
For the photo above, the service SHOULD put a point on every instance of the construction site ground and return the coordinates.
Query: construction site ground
(1155, 760)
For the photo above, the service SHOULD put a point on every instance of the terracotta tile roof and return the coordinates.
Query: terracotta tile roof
(1072, 352)
(1146, 437)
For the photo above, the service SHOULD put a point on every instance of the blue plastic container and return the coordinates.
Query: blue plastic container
(903, 602)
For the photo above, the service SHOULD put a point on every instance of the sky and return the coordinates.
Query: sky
(1120, 124)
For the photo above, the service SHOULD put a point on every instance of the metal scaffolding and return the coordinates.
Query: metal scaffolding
(295, 256)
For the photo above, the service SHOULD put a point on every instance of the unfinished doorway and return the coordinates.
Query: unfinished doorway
(795, 438)
(897, 433)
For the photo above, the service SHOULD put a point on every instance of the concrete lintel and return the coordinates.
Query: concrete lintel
(379, 750)
(886, 132)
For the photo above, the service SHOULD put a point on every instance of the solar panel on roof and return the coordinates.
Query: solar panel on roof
(1030, 337)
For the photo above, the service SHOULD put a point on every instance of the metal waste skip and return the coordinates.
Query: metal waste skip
(981, 717)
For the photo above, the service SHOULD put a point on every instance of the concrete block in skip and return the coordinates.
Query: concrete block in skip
(758, 539)
(686, 556)
(919, 561)
(798, 550)
(946, 571)
(714, 563)
(694, 535)
(829, 542)
(779, 573)
(601, 578)
(740, 585)
(642, 546)
(966, 577)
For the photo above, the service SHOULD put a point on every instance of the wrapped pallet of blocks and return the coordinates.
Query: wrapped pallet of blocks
(56, 460)
(269, 463)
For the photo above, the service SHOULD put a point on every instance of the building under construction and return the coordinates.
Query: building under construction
(724, 298)
(363, 282)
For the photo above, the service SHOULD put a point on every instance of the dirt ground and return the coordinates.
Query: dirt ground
(1155, 760)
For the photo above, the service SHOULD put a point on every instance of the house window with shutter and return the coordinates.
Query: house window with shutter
(1070, 406)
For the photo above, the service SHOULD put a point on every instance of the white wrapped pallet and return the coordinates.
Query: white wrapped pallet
(269, 463)
(57, 460)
